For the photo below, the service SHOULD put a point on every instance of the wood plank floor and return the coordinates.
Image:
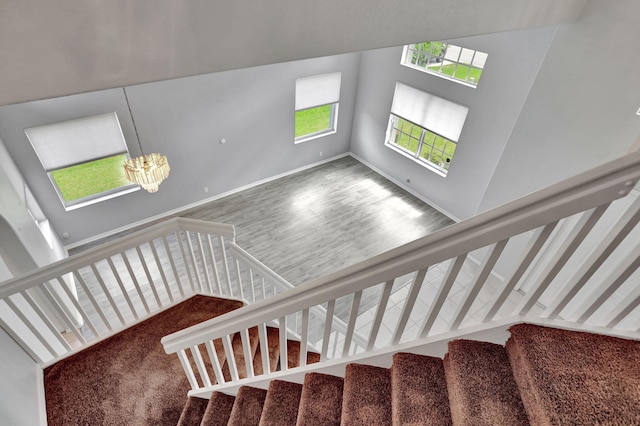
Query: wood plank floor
(320, 220)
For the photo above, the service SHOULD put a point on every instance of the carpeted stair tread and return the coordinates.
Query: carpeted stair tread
(273, 344)
(193, 411)
(320, 400)
(219, 409)
(570, 377)
(419, 391)
(281, 404)
(247, 408)
(481, 387)
(366, 400)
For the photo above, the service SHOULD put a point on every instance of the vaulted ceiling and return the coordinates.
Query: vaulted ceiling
(51, 49)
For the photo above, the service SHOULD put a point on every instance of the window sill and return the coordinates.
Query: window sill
(311, 137)
(435, 169)
(437, 74)
(124, 191)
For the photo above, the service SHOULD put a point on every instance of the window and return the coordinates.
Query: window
(425, 127)
(316, 106)
(446, 60)
(83, 158)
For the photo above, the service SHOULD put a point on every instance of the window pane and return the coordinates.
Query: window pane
(459, 63)
(313, 120)
(435, 149)
(91, 178)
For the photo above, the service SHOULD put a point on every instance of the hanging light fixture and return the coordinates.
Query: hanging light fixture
(148, 171)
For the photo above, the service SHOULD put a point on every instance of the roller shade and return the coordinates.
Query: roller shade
(317, 90)
(64, 144)
(439, 115)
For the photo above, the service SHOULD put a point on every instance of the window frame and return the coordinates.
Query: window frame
(41, 145)
(407, 53)
(415, 156)
(333, 124)
(97, 197)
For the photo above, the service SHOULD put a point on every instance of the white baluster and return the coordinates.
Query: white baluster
(172, 262)
(188, 371)
(185, 261)
(248, 354)
(163, 277)
(124, 291)
(355, 306)
(410, 301)
(304, 337)
(107, 293)
(264, 348)
(284, 356)
(534, 245)
(327, 329)
(215, 361)
(80, 309)
(135, 282)
(93, 300)
(152, 285)
(197, 358)
(478, 282)
(214, 265)
(231, 359)
(203, 256)
(225, 262)
(443, 292)
(380, 310)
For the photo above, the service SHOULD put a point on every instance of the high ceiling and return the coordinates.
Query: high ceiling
(51, 49)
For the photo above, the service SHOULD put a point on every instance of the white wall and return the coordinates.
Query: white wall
(49, 51)
(514, 58)
(19, 400)
(13, 211)
(581, 109)
(185, 119)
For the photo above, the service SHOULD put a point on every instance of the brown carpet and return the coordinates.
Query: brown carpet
(481, 387)
(219, 410)
(573, 378)
(366, 400)
(321, 400)
(193, 411)
(128, 379)
(419, 391)
(247, 408)
(281, 405)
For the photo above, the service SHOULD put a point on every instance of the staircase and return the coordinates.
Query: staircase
(541, 376)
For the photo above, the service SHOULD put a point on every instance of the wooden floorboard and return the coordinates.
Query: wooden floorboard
(320, 220)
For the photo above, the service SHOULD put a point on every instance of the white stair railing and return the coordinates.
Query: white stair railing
(450, 290)
(259, 282)
(64, 307)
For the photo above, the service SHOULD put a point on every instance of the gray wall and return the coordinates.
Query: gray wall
(514, 59)
(185, 119)
(580, 111)
(19, 400)
(49, 51)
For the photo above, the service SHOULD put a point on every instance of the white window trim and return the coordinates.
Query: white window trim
(322, 133)
(407, 154)
(429, 72)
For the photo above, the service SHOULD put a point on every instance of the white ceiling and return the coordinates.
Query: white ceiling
(50, 49)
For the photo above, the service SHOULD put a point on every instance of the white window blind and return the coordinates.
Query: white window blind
(317, 90)
(64, 144)
(439, 115)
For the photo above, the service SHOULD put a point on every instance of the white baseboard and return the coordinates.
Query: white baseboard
(198, 203)
(406, 188)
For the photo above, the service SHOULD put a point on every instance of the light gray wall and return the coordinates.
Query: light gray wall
(18, 225)
(19, 400)
(50, 51)
(580, 111)
(514, 58)
(185, 119)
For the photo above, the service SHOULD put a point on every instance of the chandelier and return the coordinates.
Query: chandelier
(148, 171)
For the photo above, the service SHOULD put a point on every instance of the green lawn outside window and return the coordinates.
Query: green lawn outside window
(435, 149)
(91, 178)
(314, 120)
